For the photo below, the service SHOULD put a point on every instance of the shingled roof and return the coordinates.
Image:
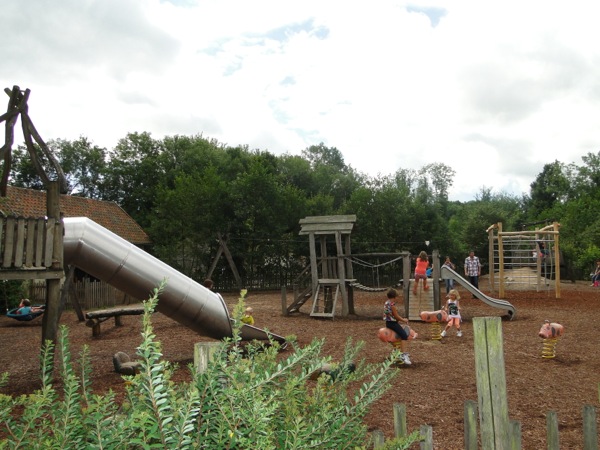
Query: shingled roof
(31, 203)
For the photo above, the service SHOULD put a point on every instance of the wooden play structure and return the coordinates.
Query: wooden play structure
(531, 256)
(32, 248)
(331, 276)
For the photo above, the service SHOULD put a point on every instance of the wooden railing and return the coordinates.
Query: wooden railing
(26, 248)
(590, 432)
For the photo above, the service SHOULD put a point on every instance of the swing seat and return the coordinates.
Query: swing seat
(25, 317)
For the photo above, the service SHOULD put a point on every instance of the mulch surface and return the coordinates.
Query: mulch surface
(434, 389)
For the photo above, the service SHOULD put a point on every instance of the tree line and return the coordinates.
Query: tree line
(186, 191)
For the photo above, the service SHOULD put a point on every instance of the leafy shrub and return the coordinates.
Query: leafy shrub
(249, 397)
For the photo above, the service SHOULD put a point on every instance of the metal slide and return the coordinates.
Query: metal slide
(447, 273)
(108, 257)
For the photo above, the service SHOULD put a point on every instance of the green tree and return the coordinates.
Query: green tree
(134, 175)
(84, 165)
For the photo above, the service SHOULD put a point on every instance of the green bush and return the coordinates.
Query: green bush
(250, 397)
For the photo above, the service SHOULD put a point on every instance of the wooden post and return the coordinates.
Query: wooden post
(435, 279)
(491, 383)
(500, 262)
(470, 423)
(552, 436)
(400, 427)
(515, 435)
(69, 288)
(492, 275)
(314, 269)
(51, 318)
(426, 437)
(556, 261)
(203, 354)
(590, 429)
(284, 301)
(406, 282)
(378, 439)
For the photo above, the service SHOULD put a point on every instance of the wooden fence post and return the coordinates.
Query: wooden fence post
(491, 383)
(284, 301)
(590, 430)
(400, 428)
(426, 442)
(470, 421)
(552, 431)
(515, 435)
(378, 439)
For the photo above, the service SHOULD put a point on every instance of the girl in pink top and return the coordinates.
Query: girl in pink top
(421, 271)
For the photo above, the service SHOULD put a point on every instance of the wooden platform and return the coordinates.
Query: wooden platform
(423, 301)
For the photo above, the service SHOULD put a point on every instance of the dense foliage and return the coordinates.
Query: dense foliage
(248, 397)
(188, 191)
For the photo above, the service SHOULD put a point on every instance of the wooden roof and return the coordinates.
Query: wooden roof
(327, 224)
(31, 203)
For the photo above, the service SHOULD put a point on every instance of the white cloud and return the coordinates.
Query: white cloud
(495, 90)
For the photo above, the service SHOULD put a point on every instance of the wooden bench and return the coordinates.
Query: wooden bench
(95, 318)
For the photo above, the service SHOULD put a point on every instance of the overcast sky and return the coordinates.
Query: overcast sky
(493, 89)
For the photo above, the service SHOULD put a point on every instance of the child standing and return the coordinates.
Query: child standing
(421, 271)
(452, 306)
(392, 319)
(449, 281)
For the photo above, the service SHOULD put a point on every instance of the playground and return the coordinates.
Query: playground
(433, 389)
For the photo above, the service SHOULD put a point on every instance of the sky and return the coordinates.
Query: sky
(494, 90)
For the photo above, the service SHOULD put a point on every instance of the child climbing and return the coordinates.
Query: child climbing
(452, 307)
(421, 271)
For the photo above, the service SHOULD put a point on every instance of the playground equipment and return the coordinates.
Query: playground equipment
(550, 333)
(121, 264)
(423, 300)
(388, 335)
(533, 256)
(331, 276)
(448, 273)
(435, 318)
(39, 310)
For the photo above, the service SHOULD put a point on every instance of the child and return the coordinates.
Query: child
(449, 281)
(26, 308)
(596, 275)
(392, 317)
(247, 317)
(421, 271)
(452, 306)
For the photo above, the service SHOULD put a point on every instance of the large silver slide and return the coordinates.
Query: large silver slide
(447, 273)
(108, 257)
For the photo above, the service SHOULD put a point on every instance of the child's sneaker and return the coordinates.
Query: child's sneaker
(443, 333)
(459, 334)
(406, 359)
